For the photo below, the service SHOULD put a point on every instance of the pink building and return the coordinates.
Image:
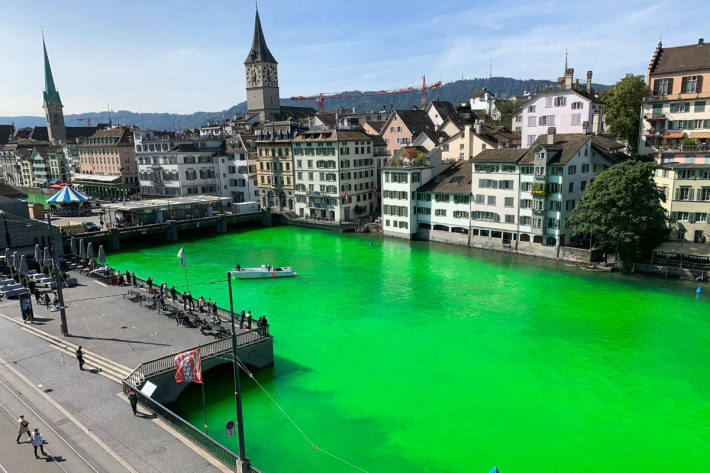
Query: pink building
(403, 126)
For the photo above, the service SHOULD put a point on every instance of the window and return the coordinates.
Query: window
(532, 120)
(571, 170)
(531, 109)
(585, 168)
(547, 120)
(662, 86)
(526, 203)
(505, 184)
(460, 214)
(548, 102)
(691, 84)
(555, 204)
(583, 185)
(537, 222)
(440, 212)
(571, 187)
(441, 197)
(680, 107)
(577, 105)
(576, 119)
(684, 193)
(462, 199)
(525, 220)
(510, 219)
(554, 187)
(509, 201)
(403, 225)
(699, 106)
(569, 205)
(480, 199)
(491, 200)
(526, 186)
(560, 101)
(531, 139)
(705, 193)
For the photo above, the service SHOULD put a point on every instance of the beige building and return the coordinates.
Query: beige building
(471, 140)
(107, 161)
(275, 171)
(687, 190)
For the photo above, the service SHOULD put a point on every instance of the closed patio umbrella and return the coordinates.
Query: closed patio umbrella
(23, 265)
(90, 251)
(38, 254)
(72, 246)
(82, 253)
(8, 256)
(15, 260)
(102, 255)
(47, 259)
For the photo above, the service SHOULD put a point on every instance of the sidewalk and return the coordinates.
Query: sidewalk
(102, 321)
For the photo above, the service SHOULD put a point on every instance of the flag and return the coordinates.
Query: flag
(181, 255)
(188, 368)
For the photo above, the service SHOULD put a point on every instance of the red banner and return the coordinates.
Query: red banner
(187, 367)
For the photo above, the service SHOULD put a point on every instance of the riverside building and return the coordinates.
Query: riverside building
(107, 161)
(335, 174)
(275, 166)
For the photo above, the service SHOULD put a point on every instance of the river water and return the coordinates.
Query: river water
(401, 356)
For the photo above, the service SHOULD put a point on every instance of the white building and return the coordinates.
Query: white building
(236, 180)
(171, 164)
(400, 180)
(444, 203)
(486, 101)
(569, 107)
(335, 176)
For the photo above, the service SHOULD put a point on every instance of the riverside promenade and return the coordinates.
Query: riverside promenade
(106, 324)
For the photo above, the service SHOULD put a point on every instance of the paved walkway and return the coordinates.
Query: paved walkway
(102, 321)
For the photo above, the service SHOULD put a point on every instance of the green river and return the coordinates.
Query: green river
(402, 356)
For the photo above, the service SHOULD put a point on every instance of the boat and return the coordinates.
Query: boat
(263, 272)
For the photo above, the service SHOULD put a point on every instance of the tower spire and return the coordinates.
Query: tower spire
(259, 51)
(565, 72)
(50, 91)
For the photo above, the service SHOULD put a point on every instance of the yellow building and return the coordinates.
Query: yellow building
(687, 190)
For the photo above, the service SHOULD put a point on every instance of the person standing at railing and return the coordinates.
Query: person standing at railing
(133, 399)
(249, 320)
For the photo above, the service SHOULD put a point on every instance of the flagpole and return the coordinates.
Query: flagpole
(204, 408)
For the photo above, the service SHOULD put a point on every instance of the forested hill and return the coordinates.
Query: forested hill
(454, 92)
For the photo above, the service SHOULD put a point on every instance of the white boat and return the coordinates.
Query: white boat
(263, 272)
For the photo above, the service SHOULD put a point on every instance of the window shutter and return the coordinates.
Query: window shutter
(700, 84)
(683, 84)
(677, 194)
(690, 194)
(670, 86)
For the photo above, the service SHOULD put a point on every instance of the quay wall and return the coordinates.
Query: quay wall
(672, 271)
(563, 253)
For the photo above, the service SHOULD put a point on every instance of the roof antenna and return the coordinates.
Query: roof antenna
(490, 71)
(109, 115)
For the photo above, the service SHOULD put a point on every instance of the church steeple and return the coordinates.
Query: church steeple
(52, 104)
(50, 91)
(259, 51)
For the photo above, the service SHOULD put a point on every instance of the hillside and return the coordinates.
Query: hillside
(457, 91)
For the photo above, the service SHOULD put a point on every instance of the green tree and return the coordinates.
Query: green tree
(622, 109)
(622, 210)
(506, 108)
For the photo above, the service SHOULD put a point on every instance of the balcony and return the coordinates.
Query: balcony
(654, 132)
(655, 117)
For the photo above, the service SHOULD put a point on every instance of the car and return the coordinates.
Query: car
(91, 227)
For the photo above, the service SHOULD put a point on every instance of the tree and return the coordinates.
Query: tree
(506, 108)
(622, 210)
(622, 109)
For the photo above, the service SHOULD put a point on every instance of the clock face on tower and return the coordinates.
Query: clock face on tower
(262, 75)
(270, 75)
(253, 75)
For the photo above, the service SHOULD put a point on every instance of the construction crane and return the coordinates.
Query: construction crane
(87, 120)
(320, 98)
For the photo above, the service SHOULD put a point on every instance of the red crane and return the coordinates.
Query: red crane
(320, 98)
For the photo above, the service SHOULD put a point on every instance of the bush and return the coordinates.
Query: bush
(688, 144)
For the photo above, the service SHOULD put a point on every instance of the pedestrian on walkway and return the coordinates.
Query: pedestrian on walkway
(191, 300)
(150, 284)
(38, 442)
(133, 278)
(249, 320)
(184, 300)
(241, 319)
(201, 304)
(23, 428)
(133, 399)
(80, 358)
(173, 293)
(214, 309)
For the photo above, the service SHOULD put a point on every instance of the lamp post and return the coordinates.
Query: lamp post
(7, 232)
(244, 461)
(58, 280)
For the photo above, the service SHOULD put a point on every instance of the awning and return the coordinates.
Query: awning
(700, 134)
(679, 134)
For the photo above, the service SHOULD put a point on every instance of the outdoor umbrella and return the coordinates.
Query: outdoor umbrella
(68, 195)
(38, 254)
(82, 255)
(47, 259)
(15, 260)
(90, 251)
(23, 265)
(72, 245)
(7, 256)
(102, 255)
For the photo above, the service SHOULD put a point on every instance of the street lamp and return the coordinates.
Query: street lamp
(243, 460)
(7, 232)
(58, 280)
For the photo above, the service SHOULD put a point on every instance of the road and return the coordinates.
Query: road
(69, 448)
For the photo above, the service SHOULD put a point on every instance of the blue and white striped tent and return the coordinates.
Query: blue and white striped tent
(68, 195)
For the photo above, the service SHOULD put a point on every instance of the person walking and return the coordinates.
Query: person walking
(184, 300)
(149, 281)
(201, 304)
(80, 358)
(133, 279)
(23, 428)
(191, 300)
(214, 309)
(241, 319)
(249, 320)
(38, 442)
(173, 293)
(133, 399)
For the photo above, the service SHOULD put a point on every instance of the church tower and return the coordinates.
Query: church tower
(52, 104)
(262, 77)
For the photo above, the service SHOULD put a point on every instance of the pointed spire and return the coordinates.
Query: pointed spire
(565, 73)
(259, 51)
(50, 91)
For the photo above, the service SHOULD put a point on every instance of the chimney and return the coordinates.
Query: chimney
(477, 127)
(589, 82)
(551, 135)
(569, 76)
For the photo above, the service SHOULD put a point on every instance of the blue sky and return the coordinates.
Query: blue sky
(186, 56)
